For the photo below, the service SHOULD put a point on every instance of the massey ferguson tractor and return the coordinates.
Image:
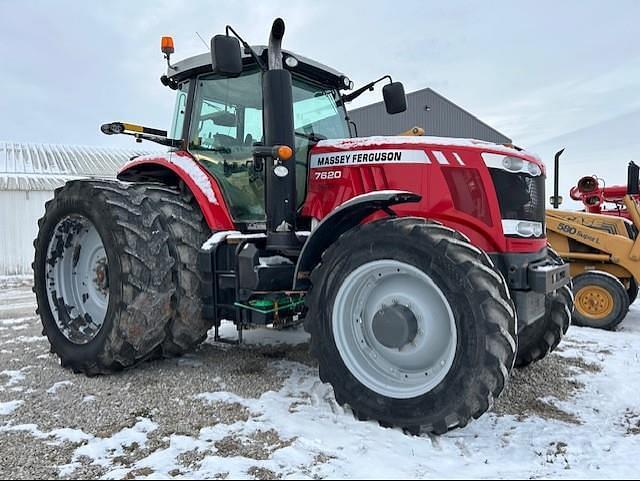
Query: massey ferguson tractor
(417, 264)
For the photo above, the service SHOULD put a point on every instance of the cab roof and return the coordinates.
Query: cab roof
(306, 67)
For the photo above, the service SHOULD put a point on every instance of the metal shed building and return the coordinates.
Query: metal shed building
(428, 109)
(29, 173)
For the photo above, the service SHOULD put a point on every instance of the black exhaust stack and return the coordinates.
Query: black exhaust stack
(556, 200)
(277, 117)
(633, 175)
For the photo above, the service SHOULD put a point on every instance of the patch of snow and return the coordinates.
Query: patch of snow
(240, 236)
(273, 261)
(223, 397)
(347, 144)
(53, 389)
(15, 322)
(216, 238)
(16, 305)
(194, 171)
(62, 435)
(9, 407)
(88, 399)
(15, 377)
(262, 336)
(70, 435)
(103, 450)
(26, 340)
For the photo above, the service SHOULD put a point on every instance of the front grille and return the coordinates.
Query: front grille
(520, 196)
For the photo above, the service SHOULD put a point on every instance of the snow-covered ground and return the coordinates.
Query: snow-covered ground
(259, 411)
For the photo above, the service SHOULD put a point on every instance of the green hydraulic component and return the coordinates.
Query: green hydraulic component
(266, 306)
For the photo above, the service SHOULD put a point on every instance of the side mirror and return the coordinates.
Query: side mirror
(226, 56)
(394, 98)
(223, 119)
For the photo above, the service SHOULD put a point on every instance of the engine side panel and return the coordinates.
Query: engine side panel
(454, 182)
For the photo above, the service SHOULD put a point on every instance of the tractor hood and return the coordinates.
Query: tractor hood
(400, 149)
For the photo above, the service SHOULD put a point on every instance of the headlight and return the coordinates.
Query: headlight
(515, 165)
(347, 84)
(534, 169)
(291, 61)
(522, 228)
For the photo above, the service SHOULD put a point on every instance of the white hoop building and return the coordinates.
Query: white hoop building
(29, 173)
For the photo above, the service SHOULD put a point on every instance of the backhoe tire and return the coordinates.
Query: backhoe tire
(183, 220)
(102, 276)
(602, 301)
(411, 325)
(632, 291)
(540, 338)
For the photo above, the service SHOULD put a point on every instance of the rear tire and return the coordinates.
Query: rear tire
(135, 276)
(602, 302)
(480, 309)
(183, 220)
(540, 338)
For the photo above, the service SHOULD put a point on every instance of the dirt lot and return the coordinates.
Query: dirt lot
(259, 411)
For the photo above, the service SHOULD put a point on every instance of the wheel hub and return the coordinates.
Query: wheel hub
(594, 301)
(395, 326)
(102, 275)
(381, 315)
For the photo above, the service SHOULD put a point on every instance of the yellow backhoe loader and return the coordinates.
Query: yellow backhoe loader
(603, 252)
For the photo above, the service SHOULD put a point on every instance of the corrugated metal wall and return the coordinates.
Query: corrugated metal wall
(426, 108)
(43, 167)
(19, 212)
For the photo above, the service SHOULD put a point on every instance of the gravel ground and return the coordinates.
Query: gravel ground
(165, 394)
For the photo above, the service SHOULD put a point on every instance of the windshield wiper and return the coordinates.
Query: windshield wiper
(313, 137)
(222, 150)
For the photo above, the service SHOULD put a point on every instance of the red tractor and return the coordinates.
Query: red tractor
(417, 264)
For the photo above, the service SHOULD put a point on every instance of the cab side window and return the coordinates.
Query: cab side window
(177, 125)
(217, 125)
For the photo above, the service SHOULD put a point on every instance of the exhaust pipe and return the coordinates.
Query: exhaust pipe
(556, 200)
(277, 116)
(275, 44)
(633, 173)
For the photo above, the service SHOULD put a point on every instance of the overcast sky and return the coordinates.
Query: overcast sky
(535, 70)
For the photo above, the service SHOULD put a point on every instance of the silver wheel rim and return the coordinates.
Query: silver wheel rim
(420, 364)
(77, 279)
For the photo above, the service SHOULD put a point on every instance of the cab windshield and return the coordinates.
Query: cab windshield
(227, 120)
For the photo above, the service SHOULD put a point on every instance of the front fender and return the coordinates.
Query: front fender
(181, 166)
(344, 217)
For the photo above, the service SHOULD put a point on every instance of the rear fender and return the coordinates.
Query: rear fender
(180, 166)
(344, 217)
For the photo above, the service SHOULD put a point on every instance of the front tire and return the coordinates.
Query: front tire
(540, 338)
(102, 276)
(602, 302)
(410, 325)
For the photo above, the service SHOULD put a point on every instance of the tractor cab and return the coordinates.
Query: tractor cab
(219, 119)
